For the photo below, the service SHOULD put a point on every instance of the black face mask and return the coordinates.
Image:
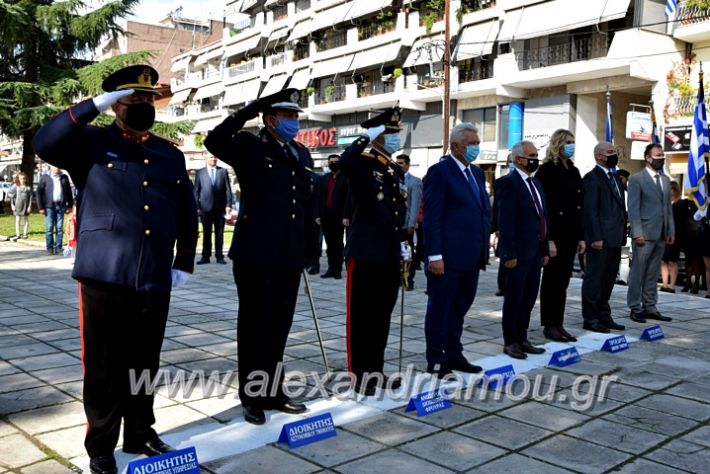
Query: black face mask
(532, 165)
(334, 167)
(657, 163)
(612, 160)
(140, 117)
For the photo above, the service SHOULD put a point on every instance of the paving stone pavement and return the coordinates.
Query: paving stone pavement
(654, 417)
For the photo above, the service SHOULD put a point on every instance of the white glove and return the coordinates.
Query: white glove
(179, 277)
(107, 99)
(374, 132)
(405, 250)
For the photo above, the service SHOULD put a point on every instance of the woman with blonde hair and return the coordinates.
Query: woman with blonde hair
(21, 204)
(562, 184)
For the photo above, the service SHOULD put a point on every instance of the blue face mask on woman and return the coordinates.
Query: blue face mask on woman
(472, 152)
(392, 143)
(568, 150)
(287, 128)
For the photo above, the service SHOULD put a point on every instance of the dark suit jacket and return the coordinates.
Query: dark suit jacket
(518, 220)
(564, 197)
(340, 195)
(604, 210)
(211, 197)
(45, 190)
(456, 224)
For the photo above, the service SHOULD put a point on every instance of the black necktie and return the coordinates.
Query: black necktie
(613, 183)
(658, 183)
(540, 213)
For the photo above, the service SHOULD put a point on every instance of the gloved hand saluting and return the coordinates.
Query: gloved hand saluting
(107, 99)
(374, 132)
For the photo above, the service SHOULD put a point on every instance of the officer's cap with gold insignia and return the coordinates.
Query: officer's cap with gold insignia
(286, 99)
(390, 118)
(140, 77)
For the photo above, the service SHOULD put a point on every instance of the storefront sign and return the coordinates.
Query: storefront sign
(317, 137)
(677, 139)
(639, 126)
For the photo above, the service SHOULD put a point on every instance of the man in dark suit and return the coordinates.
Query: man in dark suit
(54, 199)
(652, 227)
(523, 247)
(333, 195)
(373, 249)
(137, 204)
(271, 240)
(605, 234)
(213, 194)
(413, 186)
(456, 228)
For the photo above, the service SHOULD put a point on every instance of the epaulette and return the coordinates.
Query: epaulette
(367, 155)
(383, 160)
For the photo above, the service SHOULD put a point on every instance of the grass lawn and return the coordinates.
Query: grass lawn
(37, 230)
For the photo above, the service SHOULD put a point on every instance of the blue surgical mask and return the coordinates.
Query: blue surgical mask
(511, 165)
(287, 128)
(568, 150)
(472, 152)
(392, 143)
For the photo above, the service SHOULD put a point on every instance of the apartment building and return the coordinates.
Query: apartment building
(519, 69)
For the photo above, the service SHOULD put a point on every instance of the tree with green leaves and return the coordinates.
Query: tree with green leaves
(42, 70)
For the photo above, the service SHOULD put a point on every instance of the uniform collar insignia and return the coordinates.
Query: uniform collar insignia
(139, 138)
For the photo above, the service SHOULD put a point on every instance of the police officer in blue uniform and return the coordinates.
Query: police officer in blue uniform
(137, 203)
(271, 242)
(373, 249)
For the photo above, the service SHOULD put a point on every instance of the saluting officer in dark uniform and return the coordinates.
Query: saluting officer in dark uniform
(373, 250)
(137, 201)
(270, 241)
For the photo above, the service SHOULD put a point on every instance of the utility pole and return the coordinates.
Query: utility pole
(447, 72)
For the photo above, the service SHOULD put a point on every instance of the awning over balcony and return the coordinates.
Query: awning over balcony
(278, 34)
(275, 84)
(376, 56)
(247, 4)
(559, 15)
(426, 50)
(363, 8)
(180, 64)
(207, 125)
(180, 97)
(333, 66)
(332, 16)
(477, 40)
(300, 79)
(301, 29)
(209, 91)
(208, 55)
(242, 92)
(268, 3)
(242, 47)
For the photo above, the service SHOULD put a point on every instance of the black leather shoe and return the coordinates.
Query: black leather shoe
(570, 337)
(612, 325)
(202, 261)
(337, 275)
(595, 326)
(152, 447)
(530, 349)
(254, 415)
(221, 260)
(287, 405)
(314, 270)
(637, 316)
(554, 334)
(657, 316)
(103, 465)
(499, 293)
(464, 366)
(515, 351)
(440, 370)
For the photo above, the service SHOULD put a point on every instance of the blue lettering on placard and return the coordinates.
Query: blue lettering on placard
(310, 430)
(652, 333)
(429, 402)
(492, 377)
(615, 344)
(565, 357)
(182, 461)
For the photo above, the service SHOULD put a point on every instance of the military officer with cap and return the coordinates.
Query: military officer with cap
(137, 202)
(270, 243)
(372, 252)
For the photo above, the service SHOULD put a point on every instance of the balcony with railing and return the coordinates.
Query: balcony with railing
(475, 69)
(242, 25)
(302, 51)
(691, 22)
(280, 12)
(278, 59)
(330, 94)
(376, 87)
(254, 65)
(374, 28)
(330, 39)
(577, 49)
(302, 5)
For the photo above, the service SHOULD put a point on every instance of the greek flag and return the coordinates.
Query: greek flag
(671, 6)
(695, 184)
(655, 137)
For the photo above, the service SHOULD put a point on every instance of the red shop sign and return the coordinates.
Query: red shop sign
(317, 137)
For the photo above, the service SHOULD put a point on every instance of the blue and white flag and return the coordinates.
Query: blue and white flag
(699, 146)
(655, 137)
(609, 137)
(671, 6)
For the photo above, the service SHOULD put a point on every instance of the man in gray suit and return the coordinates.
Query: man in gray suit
(651, 218)
(414, 199)
(605, 234)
